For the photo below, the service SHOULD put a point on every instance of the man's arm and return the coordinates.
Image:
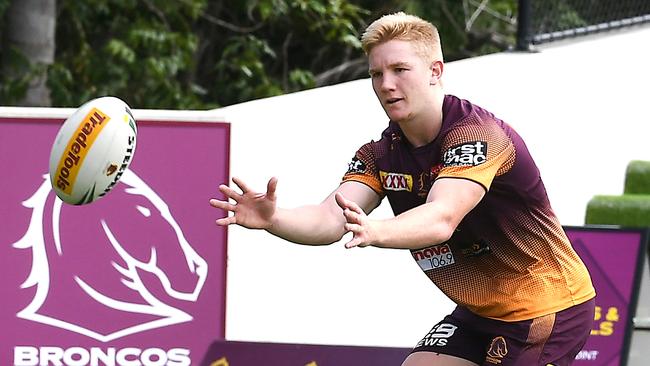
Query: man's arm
(322, 223)
(310, 224)
(434, 222)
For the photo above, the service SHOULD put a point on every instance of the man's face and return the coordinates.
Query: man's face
(400, 79)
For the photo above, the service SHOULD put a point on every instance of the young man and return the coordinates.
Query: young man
(469, 204)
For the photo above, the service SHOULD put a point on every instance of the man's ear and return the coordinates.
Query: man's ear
(436, 72)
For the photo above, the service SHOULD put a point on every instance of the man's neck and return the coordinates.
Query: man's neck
(424, 128)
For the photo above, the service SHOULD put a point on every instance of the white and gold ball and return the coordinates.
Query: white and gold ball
(93, 148)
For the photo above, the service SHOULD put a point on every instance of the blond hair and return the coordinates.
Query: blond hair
(404, 27)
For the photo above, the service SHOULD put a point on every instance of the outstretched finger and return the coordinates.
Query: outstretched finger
(230, 193)
(352, 206)
(352, 243)
(225, 221)
(353, 228)
(342, 201)
(271, 186)
(351, 216)
(222, 205)
(240, 183)
(345, 203)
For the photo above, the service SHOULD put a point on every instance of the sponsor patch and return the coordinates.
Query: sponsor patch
(356, 166)
(438, 336)
(396, 181)
(434, 257)
(467, 154)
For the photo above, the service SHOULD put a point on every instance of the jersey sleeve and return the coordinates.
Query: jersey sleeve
(478, 152)
(362, 168)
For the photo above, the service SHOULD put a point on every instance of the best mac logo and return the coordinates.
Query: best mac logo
(130, 270)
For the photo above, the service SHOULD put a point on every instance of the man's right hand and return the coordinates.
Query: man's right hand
(251, 209)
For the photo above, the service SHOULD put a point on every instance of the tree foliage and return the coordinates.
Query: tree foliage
(142, 51)
(196, 54)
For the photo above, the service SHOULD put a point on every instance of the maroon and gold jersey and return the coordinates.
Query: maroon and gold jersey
(509, 258)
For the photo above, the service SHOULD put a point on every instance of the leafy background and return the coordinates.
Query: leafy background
(200, 54)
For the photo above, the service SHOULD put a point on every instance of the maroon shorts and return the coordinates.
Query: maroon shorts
(554, 339)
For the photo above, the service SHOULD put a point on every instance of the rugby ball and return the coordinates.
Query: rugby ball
(92, 149)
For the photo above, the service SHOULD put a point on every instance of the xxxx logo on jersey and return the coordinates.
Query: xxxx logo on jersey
(396, 181)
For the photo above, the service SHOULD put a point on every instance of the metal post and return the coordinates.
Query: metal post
(524, 26)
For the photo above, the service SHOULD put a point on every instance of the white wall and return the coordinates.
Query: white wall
(582, 107)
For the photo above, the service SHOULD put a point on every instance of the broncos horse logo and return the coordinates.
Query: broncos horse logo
(112, 268)
(498, 348)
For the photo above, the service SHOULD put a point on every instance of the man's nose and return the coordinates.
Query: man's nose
(387, 82)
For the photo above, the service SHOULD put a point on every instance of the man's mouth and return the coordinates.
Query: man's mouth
(391, 101)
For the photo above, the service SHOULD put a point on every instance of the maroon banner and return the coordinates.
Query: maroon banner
(135, 278)
(615, 260)
(226, 353)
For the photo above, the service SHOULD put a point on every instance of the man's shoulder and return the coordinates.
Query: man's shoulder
(458, 108)
(464, 115)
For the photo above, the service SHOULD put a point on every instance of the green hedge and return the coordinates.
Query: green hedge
(637, 177)
(632, 210)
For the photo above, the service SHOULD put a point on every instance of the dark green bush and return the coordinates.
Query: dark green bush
(637, 177)
(630, 210)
